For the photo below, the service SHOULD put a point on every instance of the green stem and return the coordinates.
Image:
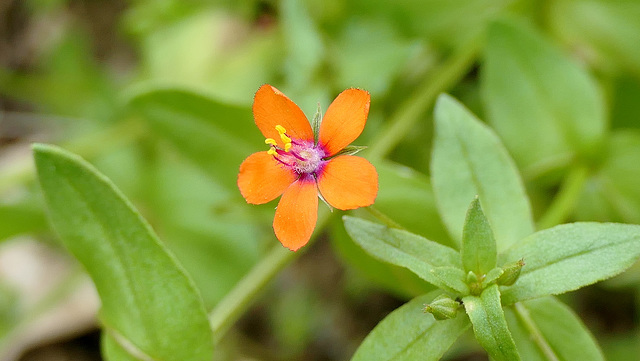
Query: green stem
(21, 170)
(565, 200)
(409, 113)
(534, 332)
(240, 298)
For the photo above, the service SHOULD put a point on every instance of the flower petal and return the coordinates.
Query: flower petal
(271, 108)
(344, 120)
(348, 182)
(262, 178)
(297, 214)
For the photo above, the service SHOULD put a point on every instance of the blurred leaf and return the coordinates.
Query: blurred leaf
(214, 135)
(20, 218)
(490, 326)
(606, 32)
(612, 194)
(395, 279)
(545, 107)
(570, 256)
(406, 197)
(403, 249)
(212, 50)
(305, 49)
(478, 245)
(625, 109)
(367, 47)
(201, 223)
(409, 334)
(549, 322)
(68, 82)
(146, 296)
(468, 160)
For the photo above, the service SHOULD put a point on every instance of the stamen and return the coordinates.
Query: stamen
(270, 141)
(284, 138)
(283, 162)
(272, 151)
(280, 129)
(287, 146)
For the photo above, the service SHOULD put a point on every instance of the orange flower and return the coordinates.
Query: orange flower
(301, 165)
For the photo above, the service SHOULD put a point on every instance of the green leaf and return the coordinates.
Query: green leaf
(398, 280)
(544, 106)
(214, 135)
(406, 196)
(605, 31)
(490, 326)
(468, 160)
(408, 334)
(478, 245)
(20, 218)
(545, 329)
(146, 296)
(612, 193)
(403, 249)
(570, 256)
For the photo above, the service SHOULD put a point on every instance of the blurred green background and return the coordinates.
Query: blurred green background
(157, 94)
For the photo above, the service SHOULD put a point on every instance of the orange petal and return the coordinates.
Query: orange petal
(348, 182)
(344, 120)
(262, 178)
(271, 108)
(297, 214)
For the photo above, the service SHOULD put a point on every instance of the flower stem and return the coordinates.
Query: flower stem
(383, 218)
(534, 332)
(409, 113)
(240, 298)
(565, 200)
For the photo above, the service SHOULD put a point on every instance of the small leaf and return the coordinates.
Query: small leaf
(409, 334)
(544, 106)
(146, 296)
(478, 245)
(545, 329)
(468, 160)
(570, 256)
(20, 218)
(403, 249)
(490, 326)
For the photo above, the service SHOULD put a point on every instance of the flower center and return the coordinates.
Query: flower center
(301, 156)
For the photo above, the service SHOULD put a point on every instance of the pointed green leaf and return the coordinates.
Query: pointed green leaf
(544, 106)
(490, 326)
(545, 329)
(468, 160)
(570, 256)
(403, 249)
(147, 298)
(478, 245)
(408, 334)
(214, 135)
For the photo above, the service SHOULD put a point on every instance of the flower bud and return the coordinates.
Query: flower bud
(511, 273)
(443, 307)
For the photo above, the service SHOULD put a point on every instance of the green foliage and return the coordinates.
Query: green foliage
(148, 301)
(410, 334)
(468, 160)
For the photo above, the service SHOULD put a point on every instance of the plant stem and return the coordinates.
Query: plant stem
(565, 200)
(383, 218)
(535, 334)
(240, 298)
(408, 114)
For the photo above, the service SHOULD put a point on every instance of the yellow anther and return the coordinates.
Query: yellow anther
(270, 141)
(272, 151)
(285, 139)
(287, 146)
(280, 129)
